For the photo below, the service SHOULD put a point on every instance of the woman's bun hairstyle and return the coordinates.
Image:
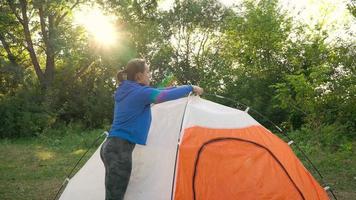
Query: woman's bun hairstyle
(133, 67)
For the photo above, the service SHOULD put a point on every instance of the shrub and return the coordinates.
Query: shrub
(24, 114)
(328, 137)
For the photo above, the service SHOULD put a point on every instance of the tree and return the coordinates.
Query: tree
(195, 40)
(352, 7)
(38, 27)
(255, 41)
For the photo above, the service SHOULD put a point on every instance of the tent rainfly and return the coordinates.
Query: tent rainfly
(201, 150)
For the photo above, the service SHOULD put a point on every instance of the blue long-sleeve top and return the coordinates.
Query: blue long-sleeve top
(132, 111)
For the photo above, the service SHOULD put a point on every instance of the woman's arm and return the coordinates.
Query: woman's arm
(166, 88)
(153, 95)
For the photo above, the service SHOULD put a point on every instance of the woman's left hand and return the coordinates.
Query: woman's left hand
(198, 90)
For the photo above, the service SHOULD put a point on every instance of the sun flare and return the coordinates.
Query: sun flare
(99, 26)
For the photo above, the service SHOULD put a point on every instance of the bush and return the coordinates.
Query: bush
(88, 101)
(328, 137)
(24, 114)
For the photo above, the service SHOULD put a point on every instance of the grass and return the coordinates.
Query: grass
(35, 168)
(339, 171)
(334, 159)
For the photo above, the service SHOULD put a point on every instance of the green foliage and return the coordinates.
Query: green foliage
(87, 100)
(24, 114)
(252, 52)
(352, 7)
(11, 77)
(330, 138)
(321, 87)
(255, 41)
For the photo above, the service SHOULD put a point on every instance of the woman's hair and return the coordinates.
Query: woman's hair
(133, 67)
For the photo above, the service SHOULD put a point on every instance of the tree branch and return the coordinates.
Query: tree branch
(82, 70)
(13, 9)
(60, 18)
(29, 42)
(203, 42)
(10, 55)
(43, 25)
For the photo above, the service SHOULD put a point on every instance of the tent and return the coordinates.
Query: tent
(198, 149)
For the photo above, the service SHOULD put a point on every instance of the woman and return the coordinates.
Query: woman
(132, 119)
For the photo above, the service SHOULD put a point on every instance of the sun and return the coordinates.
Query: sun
(100, 27)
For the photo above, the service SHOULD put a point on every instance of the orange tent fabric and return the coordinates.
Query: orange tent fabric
(245, 163)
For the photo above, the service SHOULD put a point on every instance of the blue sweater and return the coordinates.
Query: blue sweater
(132, 112)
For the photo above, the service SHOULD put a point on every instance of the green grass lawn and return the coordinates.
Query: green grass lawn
(35, 168)
(338, 170)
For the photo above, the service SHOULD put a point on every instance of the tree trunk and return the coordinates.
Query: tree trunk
(48, 36)
(31, 50)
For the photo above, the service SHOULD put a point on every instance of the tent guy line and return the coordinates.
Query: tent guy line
(68, 177)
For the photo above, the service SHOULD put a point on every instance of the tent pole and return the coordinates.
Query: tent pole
(180, 130)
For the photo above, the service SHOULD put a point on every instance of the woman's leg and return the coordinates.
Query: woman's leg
(117, 157)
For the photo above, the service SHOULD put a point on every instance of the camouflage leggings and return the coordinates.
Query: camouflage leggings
(116, 155)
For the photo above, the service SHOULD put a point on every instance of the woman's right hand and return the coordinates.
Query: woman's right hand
(198, 90)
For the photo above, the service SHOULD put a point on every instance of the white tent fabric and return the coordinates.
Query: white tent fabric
(153, 164)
